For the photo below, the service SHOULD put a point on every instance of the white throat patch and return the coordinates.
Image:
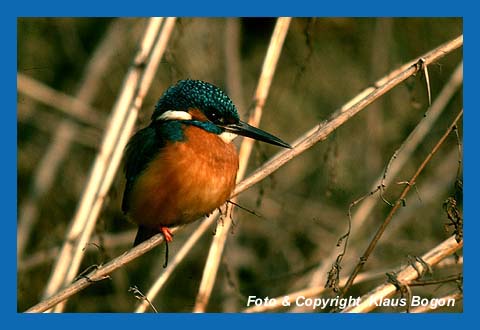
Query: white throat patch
(174, 115)
(228, 137)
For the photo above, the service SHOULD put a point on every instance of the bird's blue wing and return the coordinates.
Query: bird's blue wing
(140, 150)
(143, 147)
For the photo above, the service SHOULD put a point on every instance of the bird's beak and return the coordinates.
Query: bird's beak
(242, 128)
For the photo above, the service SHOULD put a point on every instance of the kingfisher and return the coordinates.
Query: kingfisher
(183, 165)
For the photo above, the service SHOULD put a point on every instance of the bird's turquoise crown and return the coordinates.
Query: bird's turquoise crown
(209, 99)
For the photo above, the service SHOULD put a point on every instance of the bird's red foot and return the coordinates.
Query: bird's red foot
(167, 234)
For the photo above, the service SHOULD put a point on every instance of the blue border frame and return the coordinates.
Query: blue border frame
(216, 8)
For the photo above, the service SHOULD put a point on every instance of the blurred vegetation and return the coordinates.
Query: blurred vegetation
(303, 206)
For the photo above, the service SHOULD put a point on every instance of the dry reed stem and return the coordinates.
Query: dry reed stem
(43, 178)
(312, 292)
(233, 64)
(234, 87)
(263, 86)
(121, 124)
(67, 130)
(150, 64)
(380, 59)
(397, 205)
(409, 145)
(261, 93)
(406, 275)
(432, 190)
(235, 90)
(314, 135)
(109, 241)
(307, 293)
(100, 273)
(177, 259)
(71, 107)
(351, 108)
(233, 77)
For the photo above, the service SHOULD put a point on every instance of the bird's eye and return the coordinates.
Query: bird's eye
(215, 117)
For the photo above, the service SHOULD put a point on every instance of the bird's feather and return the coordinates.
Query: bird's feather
(142, 149)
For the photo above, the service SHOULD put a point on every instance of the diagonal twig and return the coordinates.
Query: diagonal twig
(234, 88)
(179, 256)
(290, 299)
(263, 87)
(408, 147)
(121, 124)
(73, 107)
(408, 274)
(316, 134)
(397, 205)
(67, 130)
(350, 109)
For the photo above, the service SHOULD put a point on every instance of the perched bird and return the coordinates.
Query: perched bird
(183, 165)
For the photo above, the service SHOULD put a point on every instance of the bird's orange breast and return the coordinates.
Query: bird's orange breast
(186, 180)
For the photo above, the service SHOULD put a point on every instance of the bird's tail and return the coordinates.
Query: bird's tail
(143, 234)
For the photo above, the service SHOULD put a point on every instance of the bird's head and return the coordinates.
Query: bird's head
(210, 108)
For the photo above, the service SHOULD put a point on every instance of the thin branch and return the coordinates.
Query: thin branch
(263, 87)
(178, 258)
(381, 57)
(72, 107)
(290, 298)
(393, 167)
(109, 241)
(140, 296)
(66, 132)
(98, 274)
(235, 90)
(405, 276)
(233, 63)
(316, 134)
(397, 205)
(452, 278)
(434, 187)
(321, 131)
(409, 145)
(417, 135)
(121, 124)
